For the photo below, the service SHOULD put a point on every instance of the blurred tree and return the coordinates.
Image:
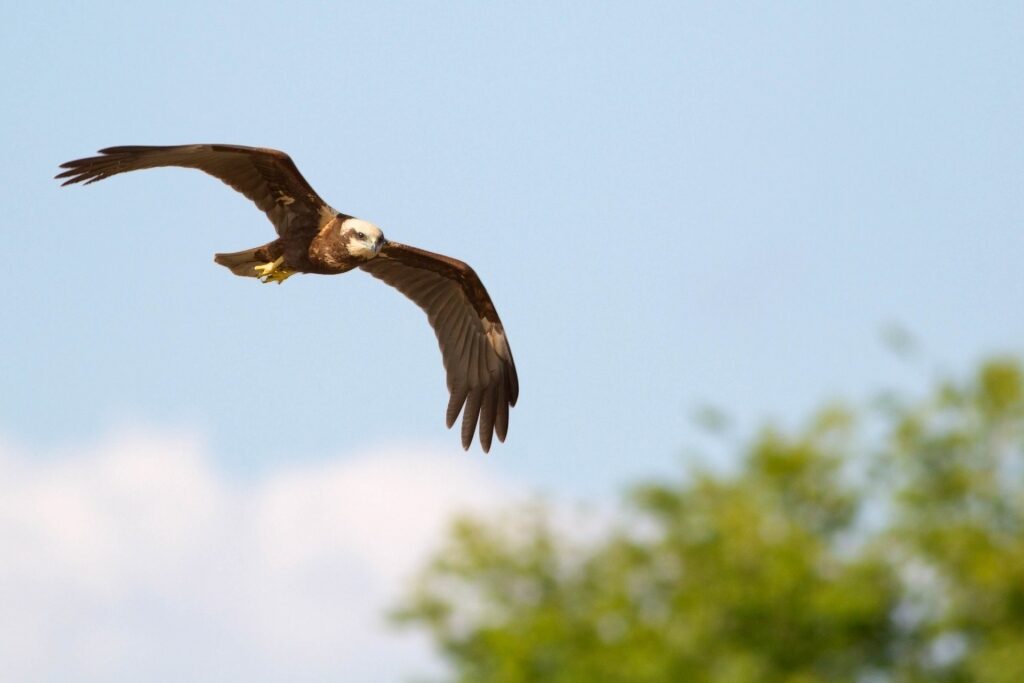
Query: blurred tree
(881, 546)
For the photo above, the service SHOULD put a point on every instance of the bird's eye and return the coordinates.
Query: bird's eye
(360, 235)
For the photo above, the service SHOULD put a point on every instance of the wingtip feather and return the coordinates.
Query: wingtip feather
(455, 403)
(469, 417)
(501, 419)
(488, 413)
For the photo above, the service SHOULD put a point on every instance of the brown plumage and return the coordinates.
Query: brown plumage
(315, 238)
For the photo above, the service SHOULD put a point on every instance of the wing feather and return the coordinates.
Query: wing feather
(472, 365)
(447, 319)
(488, 411)
(268, 177)
(463, 337)
(455, 403)
(480, 372)
(501, 418)
(469, 418)
(447, 315)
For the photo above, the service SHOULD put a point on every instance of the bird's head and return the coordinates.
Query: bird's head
(362, 239)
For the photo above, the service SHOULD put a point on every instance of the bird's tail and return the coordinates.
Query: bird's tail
(241, 262)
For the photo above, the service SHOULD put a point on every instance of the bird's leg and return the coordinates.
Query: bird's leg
(274, 272)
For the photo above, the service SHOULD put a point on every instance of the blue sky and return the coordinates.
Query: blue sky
(670, 204)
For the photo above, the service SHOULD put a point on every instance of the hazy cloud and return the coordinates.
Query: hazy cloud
(134, 559)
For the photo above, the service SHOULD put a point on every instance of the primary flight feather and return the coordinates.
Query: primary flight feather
(312, 237)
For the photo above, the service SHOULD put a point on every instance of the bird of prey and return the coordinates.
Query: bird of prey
(312, 237)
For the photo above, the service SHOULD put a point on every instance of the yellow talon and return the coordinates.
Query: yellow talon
(278, 276)
(273, 272)
(268, 268)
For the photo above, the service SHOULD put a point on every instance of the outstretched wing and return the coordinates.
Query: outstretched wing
(477, 358)
(266, 176)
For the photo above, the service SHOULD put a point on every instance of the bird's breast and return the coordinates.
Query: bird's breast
(328, 254)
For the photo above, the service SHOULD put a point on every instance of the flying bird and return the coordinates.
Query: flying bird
(312, 237)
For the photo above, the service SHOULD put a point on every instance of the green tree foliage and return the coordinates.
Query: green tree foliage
(884, 544)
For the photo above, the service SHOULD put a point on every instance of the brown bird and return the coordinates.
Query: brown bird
(312, 237)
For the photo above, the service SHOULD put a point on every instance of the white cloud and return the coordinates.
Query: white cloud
(135, 560)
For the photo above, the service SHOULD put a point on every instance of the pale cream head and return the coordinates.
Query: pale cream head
(362, 238)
